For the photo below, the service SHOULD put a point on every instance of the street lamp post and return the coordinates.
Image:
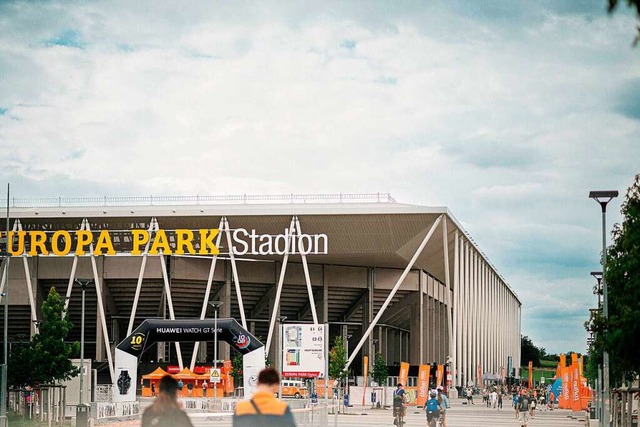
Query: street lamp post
(82, 409)
(216, 305)
(3, 369)
(603, 198)
(598, 291)
(281, 320)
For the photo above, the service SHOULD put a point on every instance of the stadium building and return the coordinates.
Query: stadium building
(346, 260)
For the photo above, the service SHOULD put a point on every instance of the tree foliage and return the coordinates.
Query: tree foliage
(633, 4)
(46, 359)
(621, 331)
(237, 369)
(379, 372)
(338, 359)
(529, 352)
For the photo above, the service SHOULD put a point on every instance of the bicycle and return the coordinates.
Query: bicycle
(434, 419)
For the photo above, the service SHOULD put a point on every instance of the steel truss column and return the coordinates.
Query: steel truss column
(394, 290)
(234, 269)
(153, 227)
(307, 277)
(33, 328)
(283, 270)
(207, 292)
(101, 311)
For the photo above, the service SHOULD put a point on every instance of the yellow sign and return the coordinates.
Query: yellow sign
(166, 242)
(215, 375)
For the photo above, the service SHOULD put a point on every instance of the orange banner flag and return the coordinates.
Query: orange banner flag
(576, 405)
(404, 373)
(563, 399)
(366, 374)
(530, 374)
(479, 379)
(561, 364)
(439, 375)
(423, 384)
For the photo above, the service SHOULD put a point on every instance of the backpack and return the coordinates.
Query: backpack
(524, 404)
(397, 400)
(432, 405)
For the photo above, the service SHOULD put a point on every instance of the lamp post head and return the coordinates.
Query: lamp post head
(216, 304)
(603, 197)
(83, 282)
(597, 275)
(281, 319)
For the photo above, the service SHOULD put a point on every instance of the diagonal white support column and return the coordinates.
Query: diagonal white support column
(153, 226)
(307, 277)
(27, 275)
(207, 292)
(167, 291)
(283, 270)
(101, 312)
(72, 276)
(234, 269)
(406, 271)
(4, 265)
(447, 282)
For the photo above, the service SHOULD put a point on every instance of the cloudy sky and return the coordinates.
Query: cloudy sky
(507, 112)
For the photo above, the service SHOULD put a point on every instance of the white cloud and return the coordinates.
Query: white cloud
(506, 114)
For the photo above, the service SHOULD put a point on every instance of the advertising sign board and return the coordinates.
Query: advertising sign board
(303, 350)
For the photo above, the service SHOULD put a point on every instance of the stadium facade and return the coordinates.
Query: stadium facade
(351, 260)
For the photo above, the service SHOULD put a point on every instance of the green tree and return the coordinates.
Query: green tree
(46, 359)
(529, 352)
(622, 329)
(379, 372)
(236, 371)
(338, 359)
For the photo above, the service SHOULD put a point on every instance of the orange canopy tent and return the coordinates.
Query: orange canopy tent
(154, 378)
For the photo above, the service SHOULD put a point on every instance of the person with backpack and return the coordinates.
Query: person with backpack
(522, 410)
(399, 409)
(264, 409)
(433, 409)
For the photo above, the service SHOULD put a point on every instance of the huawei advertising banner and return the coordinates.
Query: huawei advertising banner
(152, 331)
(303, 350)
(423, 384)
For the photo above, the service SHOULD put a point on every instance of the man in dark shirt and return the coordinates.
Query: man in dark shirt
(264, 409)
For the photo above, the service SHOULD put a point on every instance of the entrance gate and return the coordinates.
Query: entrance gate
(184, 330)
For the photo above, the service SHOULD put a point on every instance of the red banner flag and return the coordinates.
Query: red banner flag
(423, 384)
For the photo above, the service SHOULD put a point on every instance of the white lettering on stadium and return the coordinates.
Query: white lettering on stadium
(246, 242)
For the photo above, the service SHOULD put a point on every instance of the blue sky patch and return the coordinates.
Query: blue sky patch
(349, 44)
(68, 38)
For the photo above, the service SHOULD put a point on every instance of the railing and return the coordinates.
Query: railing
(18, 202)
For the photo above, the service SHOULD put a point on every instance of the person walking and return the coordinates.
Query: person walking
(470, 396)
(500, 397)
(264, 409)
(522, 410)
(494, 399)
(205, 386)
(165, 411)
(443, 400)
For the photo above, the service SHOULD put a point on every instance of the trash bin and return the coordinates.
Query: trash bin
(592, 412)
(82, 415)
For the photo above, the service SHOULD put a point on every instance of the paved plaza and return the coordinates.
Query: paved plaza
(459, 415)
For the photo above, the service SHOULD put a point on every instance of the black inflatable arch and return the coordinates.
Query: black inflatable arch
(151, 331)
